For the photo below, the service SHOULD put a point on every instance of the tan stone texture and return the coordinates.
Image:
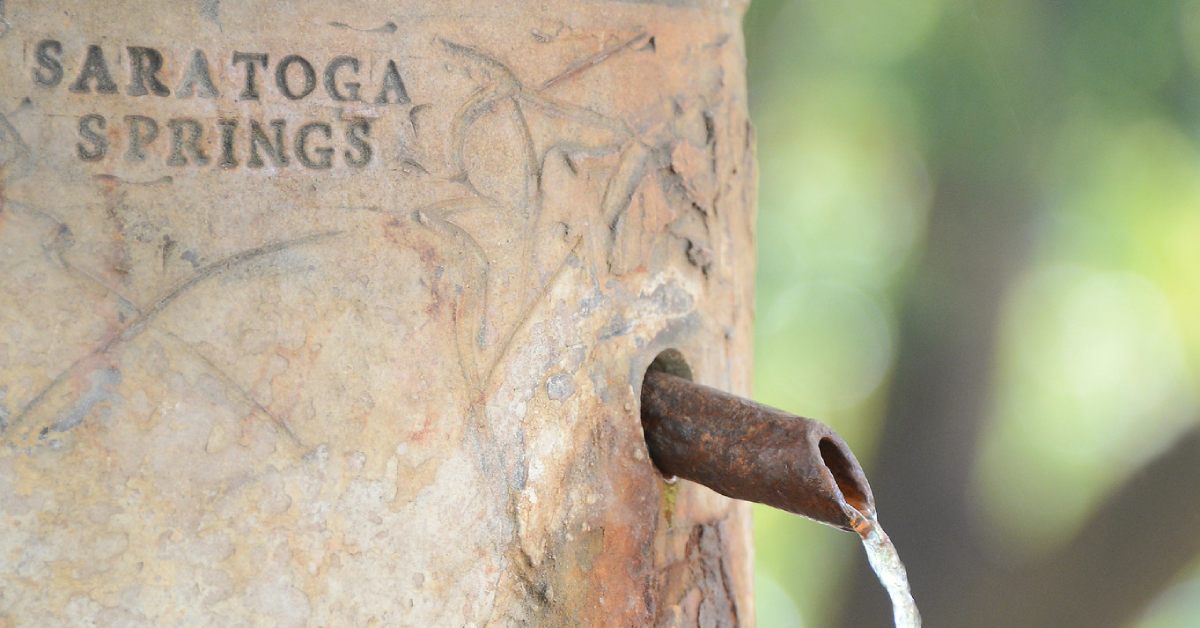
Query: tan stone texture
(365, 356)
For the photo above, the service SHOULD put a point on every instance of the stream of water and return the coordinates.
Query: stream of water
(888, 568)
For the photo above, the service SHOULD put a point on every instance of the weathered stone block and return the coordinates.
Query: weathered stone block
(335, 313)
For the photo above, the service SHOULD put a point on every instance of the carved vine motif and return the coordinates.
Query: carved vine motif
(97, 358)
(16, 161)
(577, 132)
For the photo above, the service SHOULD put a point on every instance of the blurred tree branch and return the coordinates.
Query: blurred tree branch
(1127, 553)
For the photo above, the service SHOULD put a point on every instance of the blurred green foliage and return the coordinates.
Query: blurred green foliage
(1087, 113)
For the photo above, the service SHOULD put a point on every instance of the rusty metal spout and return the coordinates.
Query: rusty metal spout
(749, 451)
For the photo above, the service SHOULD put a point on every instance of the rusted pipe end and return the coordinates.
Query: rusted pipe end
(749, 451)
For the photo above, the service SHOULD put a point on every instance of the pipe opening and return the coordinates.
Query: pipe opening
(843, 474)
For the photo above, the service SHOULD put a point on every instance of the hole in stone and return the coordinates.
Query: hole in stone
(671, 361)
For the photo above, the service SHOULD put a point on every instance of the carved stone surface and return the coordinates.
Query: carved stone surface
(335, 313)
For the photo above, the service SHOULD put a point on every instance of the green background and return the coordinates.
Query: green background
(979, 253)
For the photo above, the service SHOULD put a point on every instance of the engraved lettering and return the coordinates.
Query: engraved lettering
(228, 128)
(276, 149)
(91, 128)
(48, 54)
(357, 134)
(144, 66)
(331, 86)
(197, 77)
(142, 131)
(251, 60)
(324, 159)
(392, 85)
(94, 67)
(281, 77)
(198, 138)
(185, 136)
